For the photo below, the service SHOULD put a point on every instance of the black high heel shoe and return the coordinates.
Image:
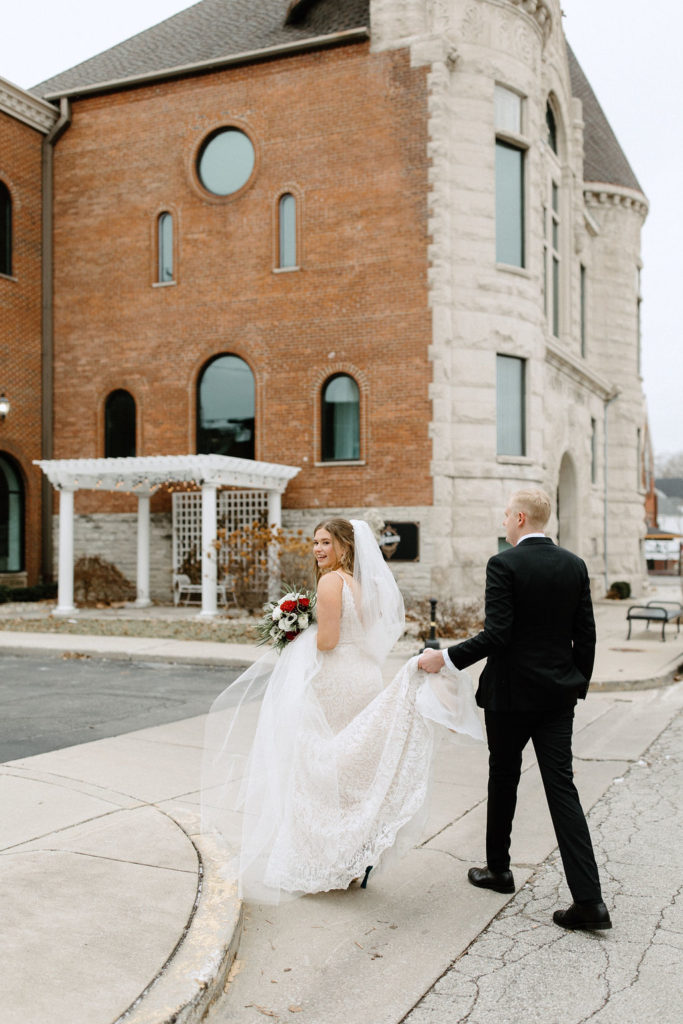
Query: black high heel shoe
(364, 883)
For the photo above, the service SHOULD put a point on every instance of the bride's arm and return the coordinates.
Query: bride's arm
(328, 610)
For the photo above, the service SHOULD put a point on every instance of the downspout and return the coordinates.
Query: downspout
(47, 343)
(608, 401)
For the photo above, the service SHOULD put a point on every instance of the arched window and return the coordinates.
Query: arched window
(340, 419)
(5, 230)
(226, 408)
(119, 425)
(11, 516)
(287, 247)
(165, 248)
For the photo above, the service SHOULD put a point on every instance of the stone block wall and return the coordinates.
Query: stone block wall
(113, 537)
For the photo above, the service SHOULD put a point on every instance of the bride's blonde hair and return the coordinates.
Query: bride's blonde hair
(340, 530)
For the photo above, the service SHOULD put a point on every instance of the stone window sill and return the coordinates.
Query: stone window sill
(341, 462)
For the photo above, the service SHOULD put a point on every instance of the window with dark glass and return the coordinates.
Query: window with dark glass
(287, 239)
(510, 213)
(226, 408)
(510, 406)
(165, 248)
(11, 516)
(340, 419)
(551, 125)
(5, 230)
(226, 161)
(119, 425)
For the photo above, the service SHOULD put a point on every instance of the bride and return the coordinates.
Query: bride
(315, 772)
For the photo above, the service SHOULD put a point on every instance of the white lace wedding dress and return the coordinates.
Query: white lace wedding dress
(332, 771)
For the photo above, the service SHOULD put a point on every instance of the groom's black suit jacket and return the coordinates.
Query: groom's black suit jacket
(539, 630)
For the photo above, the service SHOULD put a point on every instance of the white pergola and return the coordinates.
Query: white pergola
(142, 476)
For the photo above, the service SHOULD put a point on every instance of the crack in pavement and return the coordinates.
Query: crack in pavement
(524, 968)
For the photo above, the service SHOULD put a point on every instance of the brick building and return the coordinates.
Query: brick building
(25, 121)
(369, 239)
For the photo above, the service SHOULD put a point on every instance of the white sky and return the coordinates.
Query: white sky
(630, 52)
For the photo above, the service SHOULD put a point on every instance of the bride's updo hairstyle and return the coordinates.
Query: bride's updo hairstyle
(341, 531)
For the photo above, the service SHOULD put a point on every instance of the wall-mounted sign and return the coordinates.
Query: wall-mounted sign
(400, 542)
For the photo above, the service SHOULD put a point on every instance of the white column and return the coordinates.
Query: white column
(209, 552)
(142, 599)
(274, 520)
(65, 580)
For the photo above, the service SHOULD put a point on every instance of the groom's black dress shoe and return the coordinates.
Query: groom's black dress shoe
(499, 881)
(583, 915)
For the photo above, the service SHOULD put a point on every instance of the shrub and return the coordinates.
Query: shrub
(454, 619)
(619, 591)
(97, 581)
(38, 592)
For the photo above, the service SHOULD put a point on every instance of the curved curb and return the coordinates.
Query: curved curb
(196, 972)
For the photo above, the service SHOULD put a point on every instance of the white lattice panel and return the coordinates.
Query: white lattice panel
(235, 509)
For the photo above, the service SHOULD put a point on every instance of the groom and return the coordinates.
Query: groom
(539, 641)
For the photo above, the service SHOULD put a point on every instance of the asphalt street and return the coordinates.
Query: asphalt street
(54, 702)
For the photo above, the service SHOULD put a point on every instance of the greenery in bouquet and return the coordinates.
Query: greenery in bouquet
(285, 619)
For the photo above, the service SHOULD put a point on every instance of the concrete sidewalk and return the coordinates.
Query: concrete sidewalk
(114, 908)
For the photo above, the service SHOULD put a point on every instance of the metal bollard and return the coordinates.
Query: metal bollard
(432, 642)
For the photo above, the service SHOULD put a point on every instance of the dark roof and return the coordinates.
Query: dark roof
(210, 30)
(216, 29)
(603, 157)
(672, 486)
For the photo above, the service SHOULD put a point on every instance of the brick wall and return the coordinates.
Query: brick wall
(20, 323)
(344, 130)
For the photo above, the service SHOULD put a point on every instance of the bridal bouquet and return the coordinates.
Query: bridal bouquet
(283, 620)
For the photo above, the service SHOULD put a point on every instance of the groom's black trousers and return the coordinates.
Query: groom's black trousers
(508, 732)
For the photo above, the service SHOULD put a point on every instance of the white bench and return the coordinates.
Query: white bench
(184, 590)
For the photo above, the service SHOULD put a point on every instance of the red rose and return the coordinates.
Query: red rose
(288, 606)
(304, 602)
(290, 636)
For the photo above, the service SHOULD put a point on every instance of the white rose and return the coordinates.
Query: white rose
(303, 621)
(277, 612)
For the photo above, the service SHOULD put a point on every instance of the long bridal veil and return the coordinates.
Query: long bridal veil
(279, 785)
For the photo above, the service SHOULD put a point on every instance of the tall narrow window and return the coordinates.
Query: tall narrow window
(11, 516)
(165, 248)
(594, 451)
(582, 307)
(5, 230)
(510, 405)
(119, 425)
(340, 419)
(287, 242)
(639, 459)
(226, 408)
(639, 341)
(551, 125)
(551, 269)
(510, 150)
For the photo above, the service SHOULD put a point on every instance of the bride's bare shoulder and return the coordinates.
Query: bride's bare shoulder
(329, 583)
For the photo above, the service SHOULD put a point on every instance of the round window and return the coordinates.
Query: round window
(226, 161)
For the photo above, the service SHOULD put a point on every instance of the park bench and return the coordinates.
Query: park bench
(184, 591)
(655, 611)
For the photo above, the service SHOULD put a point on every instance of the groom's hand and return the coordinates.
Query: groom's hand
(431, 660)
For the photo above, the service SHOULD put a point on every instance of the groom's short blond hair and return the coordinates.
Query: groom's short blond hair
(535, 503)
